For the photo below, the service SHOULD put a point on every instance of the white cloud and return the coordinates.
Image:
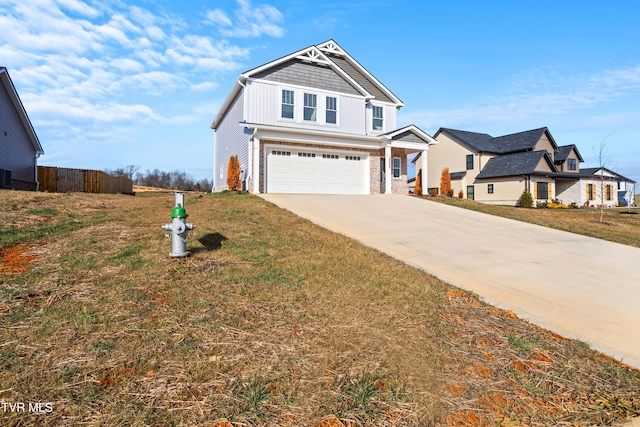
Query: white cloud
(251, 21)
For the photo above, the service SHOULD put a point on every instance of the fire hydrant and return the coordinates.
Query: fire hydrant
(178, 228)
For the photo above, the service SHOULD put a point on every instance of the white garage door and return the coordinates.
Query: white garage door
(305, 171)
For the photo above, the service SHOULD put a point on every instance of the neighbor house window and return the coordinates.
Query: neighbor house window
(310, 107)
(490, 188)
(543, 191)
(287, 104)
(609, 187)
(332, 109)
(377, 118)
(591, 191)
(571, 164)
(469, 161)
(396, 167)
(471, 192)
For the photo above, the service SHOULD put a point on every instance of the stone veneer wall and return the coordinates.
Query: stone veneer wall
(374, 161)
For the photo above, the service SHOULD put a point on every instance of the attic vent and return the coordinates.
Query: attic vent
(5, 178)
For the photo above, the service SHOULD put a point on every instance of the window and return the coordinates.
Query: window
(306, 154)
(377, 118)
(287, 104)
(310, 107)
(281, 153)
(332, 110)
(470, 192)
(571, 164)
(543, 191)
(591, 191)
(490, 189)
(396, 167)
(330, 156)
(608, 188)
(469, 161)
(357, 158)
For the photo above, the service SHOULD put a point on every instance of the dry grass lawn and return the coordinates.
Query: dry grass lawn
(617, 226)
(273, 321)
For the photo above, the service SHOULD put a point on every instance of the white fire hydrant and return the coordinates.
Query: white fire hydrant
(178, 228)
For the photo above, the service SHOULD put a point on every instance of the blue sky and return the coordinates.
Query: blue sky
(110, 83)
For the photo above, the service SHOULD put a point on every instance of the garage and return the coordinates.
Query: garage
(302, 170)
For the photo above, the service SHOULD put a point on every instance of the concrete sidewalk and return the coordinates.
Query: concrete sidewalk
(577, 286)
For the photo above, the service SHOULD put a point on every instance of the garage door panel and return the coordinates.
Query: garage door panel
(323, 172)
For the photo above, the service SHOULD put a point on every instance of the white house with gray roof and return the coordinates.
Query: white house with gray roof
(19, 144)
(498, 169)
(315, 121)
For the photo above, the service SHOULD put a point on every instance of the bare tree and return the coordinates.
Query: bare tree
(602, 154)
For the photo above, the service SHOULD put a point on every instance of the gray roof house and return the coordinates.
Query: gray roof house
(498, 169)
(19, 144)
(314, 121)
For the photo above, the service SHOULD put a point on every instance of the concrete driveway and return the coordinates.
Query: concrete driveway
(577, 286)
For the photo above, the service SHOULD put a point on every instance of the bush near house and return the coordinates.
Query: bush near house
(417, 190)
(460, 194)
(233, 174)
(445, 183)
(525, 200)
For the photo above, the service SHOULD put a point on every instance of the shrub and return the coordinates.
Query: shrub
(573, 205)
(445, 183)
(542, 204)
(460, 194)
(556, 205)
(417, 190)
(525, 200)
(233, 174)
(434, 192)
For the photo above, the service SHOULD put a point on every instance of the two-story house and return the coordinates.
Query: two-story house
(315, 121)
(19, 144)
(498, 169)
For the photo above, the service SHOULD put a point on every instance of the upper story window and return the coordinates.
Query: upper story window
(571, 164)
(332, 109)
(378, 118)
(310, 106)
(287, 104)
(469, 161)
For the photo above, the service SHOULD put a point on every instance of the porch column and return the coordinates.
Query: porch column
(425, 174)
(388, 176)
(255, 181)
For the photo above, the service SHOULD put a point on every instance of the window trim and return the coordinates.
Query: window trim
(374, 118)
(327, 110)
(313, 107)
(393, 168)
(292, 105)
(469, 160)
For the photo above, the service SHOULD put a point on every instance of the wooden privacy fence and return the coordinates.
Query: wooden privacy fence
(63, 180)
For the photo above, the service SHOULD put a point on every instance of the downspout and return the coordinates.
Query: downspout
(36, 171)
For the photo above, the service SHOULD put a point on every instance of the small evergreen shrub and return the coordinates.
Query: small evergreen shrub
(460, 194)
(450, 192)
(525, 200)
(434, 192)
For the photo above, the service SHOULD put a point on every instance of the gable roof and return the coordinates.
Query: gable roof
(564, 151)
(413, 133)
(328, 54)
(22, 113)
(512, 143)
(524, 163)
(590, 172)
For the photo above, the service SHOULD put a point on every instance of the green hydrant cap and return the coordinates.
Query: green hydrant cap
(179, 212)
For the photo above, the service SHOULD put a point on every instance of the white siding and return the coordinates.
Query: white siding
(264, 106)
(230, 139)
(16, 151)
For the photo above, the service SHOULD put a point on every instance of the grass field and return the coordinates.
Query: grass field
(272, 321)
(617, 225)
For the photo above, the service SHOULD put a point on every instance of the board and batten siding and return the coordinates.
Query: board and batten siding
(264, 105)
(230, 139)
(16, 151)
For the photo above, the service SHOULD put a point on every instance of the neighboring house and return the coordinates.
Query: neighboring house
(498, 169)
(314, 121)
(602, 182)
(19, 144)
